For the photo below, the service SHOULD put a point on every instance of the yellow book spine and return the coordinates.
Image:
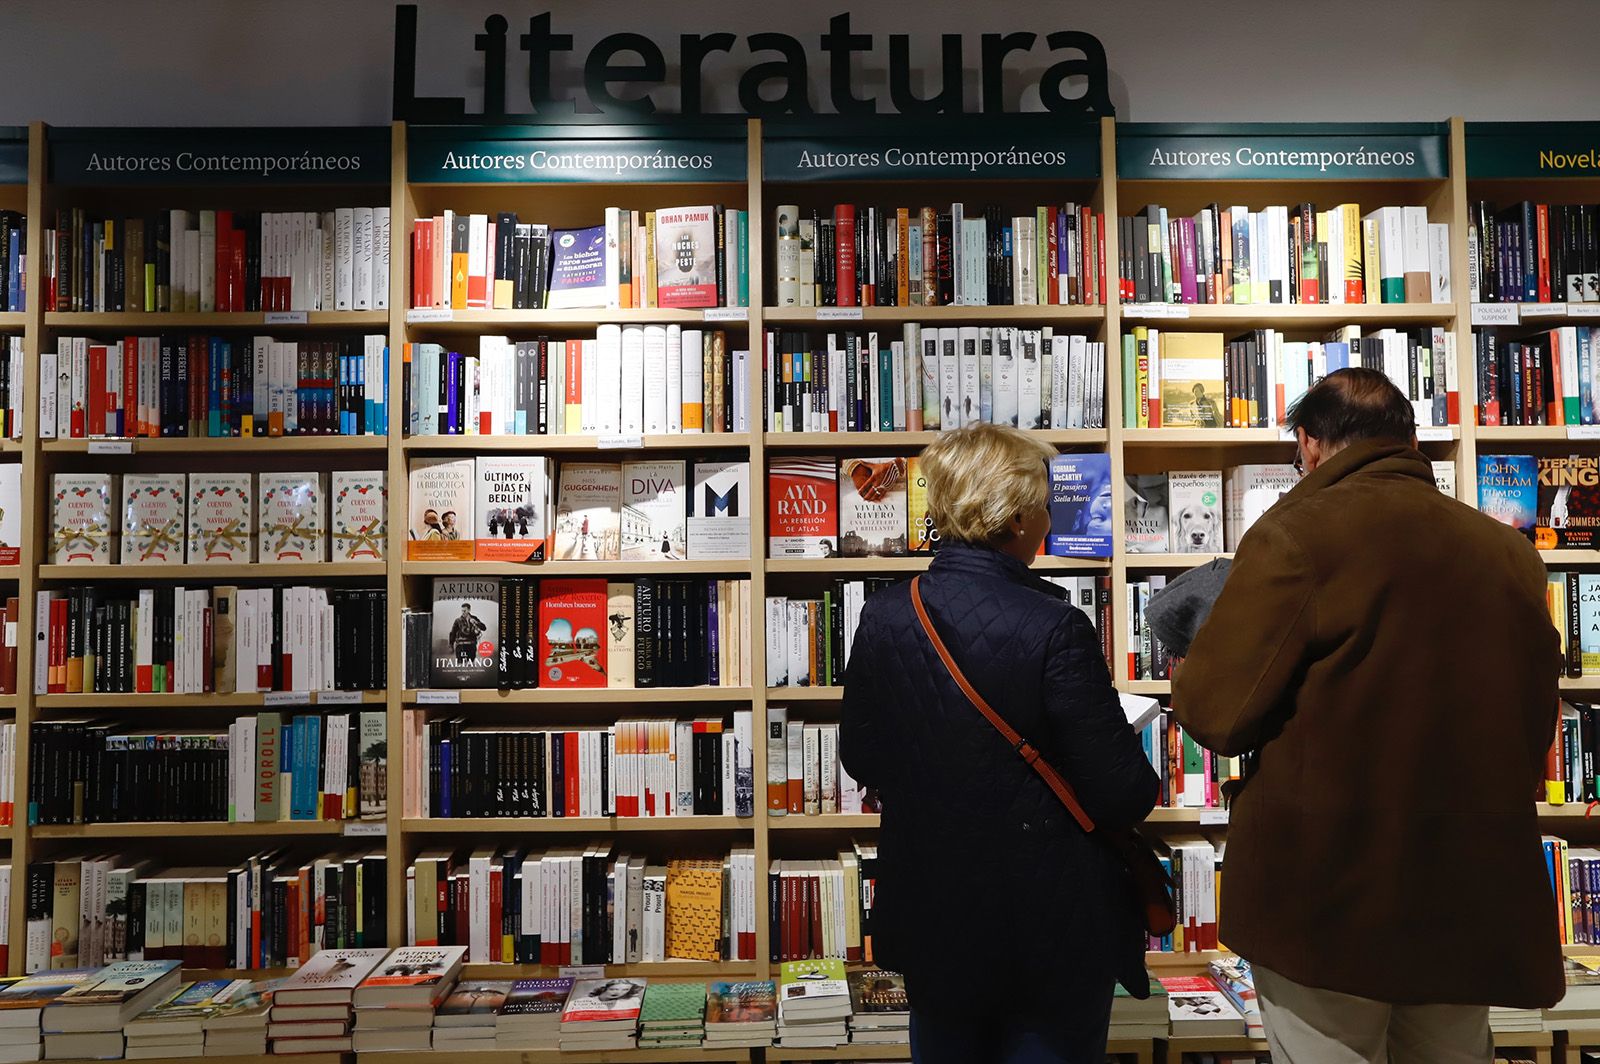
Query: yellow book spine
(458, 280)
(1372, 288)
(1354, 275)
(650, 259)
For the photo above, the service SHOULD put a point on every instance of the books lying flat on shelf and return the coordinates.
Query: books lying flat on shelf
(473, 1003)
(602, 1013)
(116, 994)
(411, 976)
(741, 1014)
(814, 990)
(880, 1010)
(530, 1015)
(330, 977)
(22, 1004)
(672, 1015)
(1235, 978)
(1195, 1006)
(1133, 1017)
(185, 1012)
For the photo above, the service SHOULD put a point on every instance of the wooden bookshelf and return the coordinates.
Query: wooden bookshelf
(574, 824)
(202, 829)
(223, 445)
(478, 321)
(618, 696)
(65, 321)
(914, 564)
(685, 443)
(911, 441)
(622, 567)
(216, 574)
(554, 1056)
(824, 822)
(1286, 316)
(236, 700)
(842, 317)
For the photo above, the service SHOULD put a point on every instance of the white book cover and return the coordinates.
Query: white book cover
(654, 511)
(1004, 374)
(718, 511)
(512, 494)
(950, 378)
(1444, 476)
(222, 526)
(154, 518)
(653, 380)
(330, 974)
(674, 379)
(380, 258)
(1258, 488)
(83, 518)
(1439, 262)
(1030, 379)
(686, 257)
(1194, 503)
(622, 380)
(343, 258)
(970, 375)
(11, 514)
(928, 339)
(359, 501)
(293, 522)
(439, 525)
(589, 511)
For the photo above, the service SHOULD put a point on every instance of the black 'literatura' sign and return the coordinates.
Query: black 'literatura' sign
(317, 155)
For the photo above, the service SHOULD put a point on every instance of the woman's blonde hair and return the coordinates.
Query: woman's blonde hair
(982, 475)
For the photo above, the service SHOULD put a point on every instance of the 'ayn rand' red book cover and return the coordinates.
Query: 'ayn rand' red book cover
(803, 508)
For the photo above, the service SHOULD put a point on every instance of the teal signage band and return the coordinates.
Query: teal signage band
(1013, 148)
(1334, 151)
(576, 154)
(13, 155)
(330, 155)
(1533, 149)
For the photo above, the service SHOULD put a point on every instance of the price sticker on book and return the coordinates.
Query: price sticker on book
(838, 313)
(1494, 314)
(727, 314)
(426, 314)
(1436, 434)
(1542, 310)
(1213, 817)
(366, 827)
(110, 446)
(1583, 432)
(286, 698)
(438, 698)
(1583, 310)
(620, 443)
(286, 317)
(338, 698)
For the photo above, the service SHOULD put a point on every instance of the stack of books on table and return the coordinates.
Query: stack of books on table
(467, 1018)
(1237, 982)
(880, 1010)
(673, 1016)
(1135, 1020)
(87, 1020)
(530, 1016)
(1197, 1007)
(602, 1014)
(394, 1005)
(813, 1004)
(312, 1009)
(23, 1002)
(741, 1015)
(1578, 1010)
(176, 1027)
(239, 1027)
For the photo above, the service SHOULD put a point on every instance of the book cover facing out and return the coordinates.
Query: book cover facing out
(1144, 513)
(1080, 506)
(803, 508)
(572, 622)
(1508, 489)
(1569, 503)
(512, 496)
(577, 268)
(719, 514)
(466, 632)
(589, 511)
(440, 513)
(919, 523)
(653, 511)
(686, 257)
(872, 507)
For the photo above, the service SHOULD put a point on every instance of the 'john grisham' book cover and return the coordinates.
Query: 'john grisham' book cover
(572, 620)
(872, 507)
(1569, 503)
(803, 508)
(1080, 506)
(466, 632)
(1508, 489)
(686, 257)
(513, 497)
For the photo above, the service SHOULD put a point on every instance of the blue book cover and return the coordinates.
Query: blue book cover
(1337, 355)
(1508, 489)
(1080, 506)
(214, 389)
(307, 778)
(577, 268)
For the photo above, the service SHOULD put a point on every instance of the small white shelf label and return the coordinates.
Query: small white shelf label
(425, 314)
(438, 698)
(582, 971)
(1583, 432)
(366, 827)
(1156, 310)
(1211, 817)
(1583, 310)
(286, 698)
(338, 698)
(286, 317)
(110, 446)
(1542, 310)
(727, 314)
(1494, 314)
(619, 443)
(1434, 435)
(838, 313)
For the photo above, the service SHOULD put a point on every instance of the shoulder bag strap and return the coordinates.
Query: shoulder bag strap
(1047, 772)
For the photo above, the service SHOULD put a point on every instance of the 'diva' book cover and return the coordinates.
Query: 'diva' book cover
(572, 616)
(803, 507)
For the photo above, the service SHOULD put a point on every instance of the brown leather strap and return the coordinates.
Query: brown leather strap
(1030, 755)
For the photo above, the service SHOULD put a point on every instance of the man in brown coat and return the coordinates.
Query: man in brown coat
(1387, 654)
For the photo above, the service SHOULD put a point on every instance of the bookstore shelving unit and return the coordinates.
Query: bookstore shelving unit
(757, 168)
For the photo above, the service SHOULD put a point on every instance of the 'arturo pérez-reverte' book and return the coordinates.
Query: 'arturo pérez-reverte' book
(466, 632)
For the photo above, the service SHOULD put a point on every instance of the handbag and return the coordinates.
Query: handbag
(1152, 886)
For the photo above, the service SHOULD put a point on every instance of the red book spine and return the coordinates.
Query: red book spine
(1052, 296)
(844, 229)
(419, 259)
(1098, 267)
(97, 390)
(496, 913)
(58, 646)
(1542, 220)
(236, 271)
(128, 422)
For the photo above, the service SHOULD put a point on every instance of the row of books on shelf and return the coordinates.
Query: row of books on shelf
(270, 910)
(520, 632)
(10, 625)
(678, 257)
(212, 640)
(865, 255)
(1549, 497)
(586, 904)
(629, 769)
(1533, 253)
(11, 387)
(626, 380)
(1204, 380)
(263, 767)
(215, 518)
(1574, 600)
(1541, 378)
(209, 386)
(804, 774)
(1284, 255)
(527, 508)
(933, 378)
(1191, 776)
(13, 262)
(204, 261)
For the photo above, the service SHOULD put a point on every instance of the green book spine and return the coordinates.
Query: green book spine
(885, 390)
(1130, 382)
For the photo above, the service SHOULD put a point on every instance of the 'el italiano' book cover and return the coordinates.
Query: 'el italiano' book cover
(439, 523)
(803, 508)
(222, 518)
(872, 507)
(466, 632)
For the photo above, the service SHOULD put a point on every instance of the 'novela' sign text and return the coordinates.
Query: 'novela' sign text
(622, 72)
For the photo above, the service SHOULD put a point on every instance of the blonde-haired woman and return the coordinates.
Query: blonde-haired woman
(1010, 924)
